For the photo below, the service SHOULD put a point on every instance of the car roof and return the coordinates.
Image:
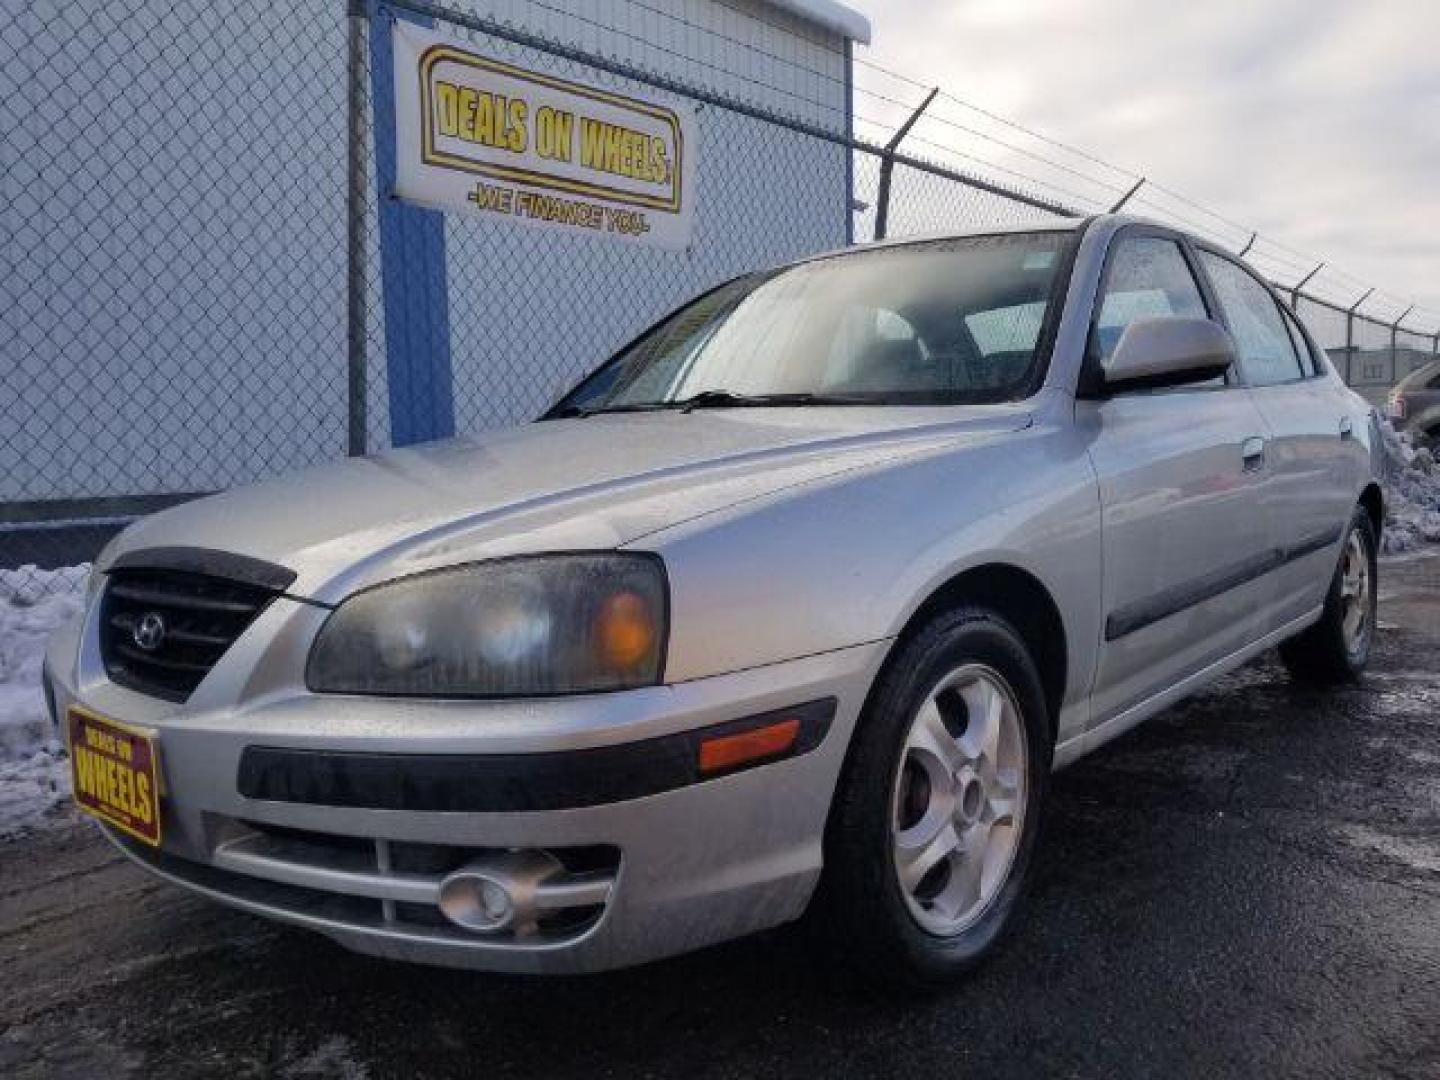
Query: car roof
(1000, 229)
(1057, 224)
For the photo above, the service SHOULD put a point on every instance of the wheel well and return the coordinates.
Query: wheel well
(1374, 504)
(1017, 596)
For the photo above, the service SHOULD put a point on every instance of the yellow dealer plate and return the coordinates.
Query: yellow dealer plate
(116, 771)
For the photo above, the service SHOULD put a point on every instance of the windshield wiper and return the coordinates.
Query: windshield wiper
(570, 412)
(727, 399)
(717, 399)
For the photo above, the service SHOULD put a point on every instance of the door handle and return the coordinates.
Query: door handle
(1252, 452)
(1347, 428)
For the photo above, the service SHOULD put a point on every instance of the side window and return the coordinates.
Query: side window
(1263, 341)
(1148, 277)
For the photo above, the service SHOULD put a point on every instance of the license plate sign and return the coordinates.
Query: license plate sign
(116, 773)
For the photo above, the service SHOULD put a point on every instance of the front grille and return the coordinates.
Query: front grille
(161, 631)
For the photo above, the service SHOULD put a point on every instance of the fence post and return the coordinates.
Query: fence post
(1295, 292)
(356, 161)
(1395, 344)
(1350, 337)
(1127, 196)
(887, 165)
(1349, 344)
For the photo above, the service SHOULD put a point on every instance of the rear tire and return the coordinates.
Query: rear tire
(1337, 648)
(930, 839)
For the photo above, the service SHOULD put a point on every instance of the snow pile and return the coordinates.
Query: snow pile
(30, 788)
(1412, 493)
(34, 775)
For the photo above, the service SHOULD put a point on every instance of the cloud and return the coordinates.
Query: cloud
(1313, 121)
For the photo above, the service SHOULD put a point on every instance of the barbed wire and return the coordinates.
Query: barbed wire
(1026, 178)
(1154, 195)
(935, 118)
(949, 96)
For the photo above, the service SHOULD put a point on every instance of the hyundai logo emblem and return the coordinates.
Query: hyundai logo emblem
(149, 631)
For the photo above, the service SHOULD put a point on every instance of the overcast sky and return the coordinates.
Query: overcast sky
(1315, 121)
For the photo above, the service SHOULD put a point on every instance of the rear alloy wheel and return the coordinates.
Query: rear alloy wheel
(930, 840)
(1357, 595)
(1337, 648)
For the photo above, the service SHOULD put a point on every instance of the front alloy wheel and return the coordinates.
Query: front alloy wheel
(959, 807)
(929, 842)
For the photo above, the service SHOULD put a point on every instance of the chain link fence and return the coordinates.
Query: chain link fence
(206, 275)
(172, 297)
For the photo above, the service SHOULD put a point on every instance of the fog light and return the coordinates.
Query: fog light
(477, 903)
(499, 892)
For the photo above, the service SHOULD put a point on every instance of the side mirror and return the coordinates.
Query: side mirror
(1169, 350)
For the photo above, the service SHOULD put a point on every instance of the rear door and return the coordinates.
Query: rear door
(1185, 546)
(1307, 491)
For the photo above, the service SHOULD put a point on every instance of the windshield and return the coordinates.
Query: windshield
(937, 322)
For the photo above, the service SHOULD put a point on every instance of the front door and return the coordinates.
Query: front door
(1185, 547)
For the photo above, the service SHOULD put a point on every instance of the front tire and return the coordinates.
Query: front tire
(1337, 648)
(931, 837)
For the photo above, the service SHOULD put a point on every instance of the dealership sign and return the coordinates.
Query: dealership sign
(477, 135)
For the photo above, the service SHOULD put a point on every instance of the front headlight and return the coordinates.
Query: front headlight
(528, 626)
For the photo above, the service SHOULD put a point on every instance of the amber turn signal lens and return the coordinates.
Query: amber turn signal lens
(625, 630)
(731, 751)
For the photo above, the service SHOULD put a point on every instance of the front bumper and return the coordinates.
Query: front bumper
(659, 874)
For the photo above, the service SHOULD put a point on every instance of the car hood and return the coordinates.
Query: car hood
(596, 482)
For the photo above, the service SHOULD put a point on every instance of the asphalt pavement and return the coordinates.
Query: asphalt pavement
(1248, 885)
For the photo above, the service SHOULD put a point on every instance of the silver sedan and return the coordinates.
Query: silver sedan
(792, 605)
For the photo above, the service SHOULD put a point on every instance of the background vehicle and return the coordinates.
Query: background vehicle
(1414, 404)
(810, 586)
